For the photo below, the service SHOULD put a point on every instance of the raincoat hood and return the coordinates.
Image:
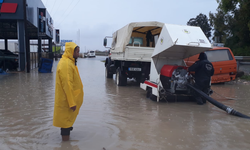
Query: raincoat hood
(69, 50)
(203, 56)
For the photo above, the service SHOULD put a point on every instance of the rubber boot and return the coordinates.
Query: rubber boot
(199, 100)
(65, 137)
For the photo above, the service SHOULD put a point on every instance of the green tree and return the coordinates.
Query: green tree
(231, 24)
(219, 23)
(202, 21)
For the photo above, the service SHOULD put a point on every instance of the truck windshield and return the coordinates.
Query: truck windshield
(91, 51)
(219, 55)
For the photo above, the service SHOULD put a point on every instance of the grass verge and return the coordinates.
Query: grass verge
(245, 77)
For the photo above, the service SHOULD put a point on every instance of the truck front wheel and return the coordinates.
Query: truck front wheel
(121, 79)
(107, 72)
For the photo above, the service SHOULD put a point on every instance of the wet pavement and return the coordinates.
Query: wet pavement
(118, 118)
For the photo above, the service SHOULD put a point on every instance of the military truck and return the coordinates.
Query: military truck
(131, 50)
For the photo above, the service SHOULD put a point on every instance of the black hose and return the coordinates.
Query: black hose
(229, 110)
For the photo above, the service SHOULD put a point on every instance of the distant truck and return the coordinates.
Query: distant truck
(91, 54)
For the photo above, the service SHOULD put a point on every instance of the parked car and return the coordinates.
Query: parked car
(91, 54)
(225, 65)
(8, 60)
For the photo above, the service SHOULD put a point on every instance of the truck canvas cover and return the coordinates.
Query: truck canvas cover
(121, 37)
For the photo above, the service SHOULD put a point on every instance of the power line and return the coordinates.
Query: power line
(57, 7)
(69, 12)
(53, 6)
(46, 2)
(68, 7)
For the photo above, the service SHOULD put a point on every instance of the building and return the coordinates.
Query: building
(25, 20)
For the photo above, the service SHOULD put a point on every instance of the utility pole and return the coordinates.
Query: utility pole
(79, 38)
(27, 43)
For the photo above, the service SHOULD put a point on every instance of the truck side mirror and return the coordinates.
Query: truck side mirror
(105, 42)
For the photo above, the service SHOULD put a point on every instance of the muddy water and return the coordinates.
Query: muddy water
(118, 118)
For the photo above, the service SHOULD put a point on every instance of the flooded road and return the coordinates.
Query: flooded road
(118, 118)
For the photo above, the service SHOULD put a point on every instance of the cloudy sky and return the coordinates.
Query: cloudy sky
(99, 18)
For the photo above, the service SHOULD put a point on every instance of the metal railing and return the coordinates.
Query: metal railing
(242, 58)
(34, 60)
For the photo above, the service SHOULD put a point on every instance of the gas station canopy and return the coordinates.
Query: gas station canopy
(12, 12)
(25, 20)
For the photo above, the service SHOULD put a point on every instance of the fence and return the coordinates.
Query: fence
(34, 56)
(102, 53)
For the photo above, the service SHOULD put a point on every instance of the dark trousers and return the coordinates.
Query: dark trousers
(200, 100)
(148, 42)
(66, 131)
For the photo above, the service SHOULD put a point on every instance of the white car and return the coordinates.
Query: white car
(91, 54)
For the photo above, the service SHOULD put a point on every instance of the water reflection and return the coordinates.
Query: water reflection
(67, 146)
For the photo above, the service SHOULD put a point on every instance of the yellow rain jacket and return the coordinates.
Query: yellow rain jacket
(69, 89)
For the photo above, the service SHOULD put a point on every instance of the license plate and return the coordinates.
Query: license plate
(134, 69)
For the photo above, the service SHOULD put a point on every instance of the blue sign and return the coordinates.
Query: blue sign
(1, 1)
(64, 41)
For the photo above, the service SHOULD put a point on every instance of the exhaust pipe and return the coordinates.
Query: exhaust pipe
(229, 110)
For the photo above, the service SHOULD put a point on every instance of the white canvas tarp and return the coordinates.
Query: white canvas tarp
(121, 37)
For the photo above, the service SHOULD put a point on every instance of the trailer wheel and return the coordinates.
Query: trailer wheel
(107, 73)
(150, 95)
(149, 92)
(121, 79)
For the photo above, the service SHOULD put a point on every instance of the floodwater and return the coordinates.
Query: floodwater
(118, 118)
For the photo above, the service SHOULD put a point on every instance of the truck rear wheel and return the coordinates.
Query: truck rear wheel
(107, 72)
(121, 79)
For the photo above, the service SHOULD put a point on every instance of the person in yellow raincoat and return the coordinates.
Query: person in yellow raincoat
(68, 91)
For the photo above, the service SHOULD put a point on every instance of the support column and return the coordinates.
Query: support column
(27, 40)
(21, 44)
(39, 49)
(51, 55)
(6, 44)
(28, 54)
